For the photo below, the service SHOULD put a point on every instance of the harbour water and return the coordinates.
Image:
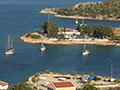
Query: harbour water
(17, 17)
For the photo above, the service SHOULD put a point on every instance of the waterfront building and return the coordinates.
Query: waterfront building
(61, 86)
(69, 33)
(3, 85)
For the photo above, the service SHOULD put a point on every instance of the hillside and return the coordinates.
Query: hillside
(110, 9)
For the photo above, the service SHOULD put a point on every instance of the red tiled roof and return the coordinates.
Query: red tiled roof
(3, 83)
(50, 87)
(63, 84)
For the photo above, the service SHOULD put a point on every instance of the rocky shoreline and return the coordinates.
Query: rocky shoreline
(81, 17)
(81, 41)
(49, 11)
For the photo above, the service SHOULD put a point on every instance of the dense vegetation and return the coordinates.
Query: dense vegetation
(96, 31)
(50, 28)
(89, 87)
(20, 86)
(30, 34)
(107, 9)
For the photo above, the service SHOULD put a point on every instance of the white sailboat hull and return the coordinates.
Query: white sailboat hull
(85, 52)
(11, 51)
(76, 22)
(42, 48)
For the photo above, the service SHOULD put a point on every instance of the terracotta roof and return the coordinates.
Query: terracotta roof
(50, 87)
(63, 84)
(3, 83)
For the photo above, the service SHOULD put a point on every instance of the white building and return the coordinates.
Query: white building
(69, 33)
(3, 85)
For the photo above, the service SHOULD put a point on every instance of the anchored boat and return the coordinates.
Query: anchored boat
(9, 46)
(86, 52)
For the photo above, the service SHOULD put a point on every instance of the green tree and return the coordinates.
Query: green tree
(29, 34)
(37, 74)
(64, 28)
(38, 30)
(90, 87)
(20, 86)
(103, 31)
(34, 79)
(47, 71)
(61, 37)
(117, 80)
(73, 73)
(88, 30)
(79, 89)
(79, 28)
(50, 28)
(64, 73)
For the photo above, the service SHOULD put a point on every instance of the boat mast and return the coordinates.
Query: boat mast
(11, 43)
(8, 41)
(41, 42)
(6, 47)
(84, 47)
(111, 70)
(83, 20)
(48, 16)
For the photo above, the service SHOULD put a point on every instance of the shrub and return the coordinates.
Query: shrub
(35, 36)
(64, 73)
(73, 73)
(47, 71)
(29, 34)
(90, 87)
(20, 86)
(34, 79)
(37, 74)
(117, 80)
(41, 72)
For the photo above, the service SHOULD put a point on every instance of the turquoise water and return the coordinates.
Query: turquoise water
(17, 17)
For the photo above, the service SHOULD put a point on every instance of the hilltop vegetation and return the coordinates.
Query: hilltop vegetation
(102, 10)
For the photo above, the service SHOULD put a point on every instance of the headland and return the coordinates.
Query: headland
(88, 10)
(53, 41)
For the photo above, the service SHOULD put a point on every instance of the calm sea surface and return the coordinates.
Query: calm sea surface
(17, 17)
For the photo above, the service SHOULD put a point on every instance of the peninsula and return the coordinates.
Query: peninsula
(108, 10)
(44, 81)
(53, 34)
(53, 81)
(54, 41)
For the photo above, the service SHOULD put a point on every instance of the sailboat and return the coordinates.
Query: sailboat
(83, 23)
(9, 47)
(86, 52)
(42, 48)
(76, 21)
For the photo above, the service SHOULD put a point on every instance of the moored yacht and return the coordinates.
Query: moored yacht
(85, 52)
(9, 47)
